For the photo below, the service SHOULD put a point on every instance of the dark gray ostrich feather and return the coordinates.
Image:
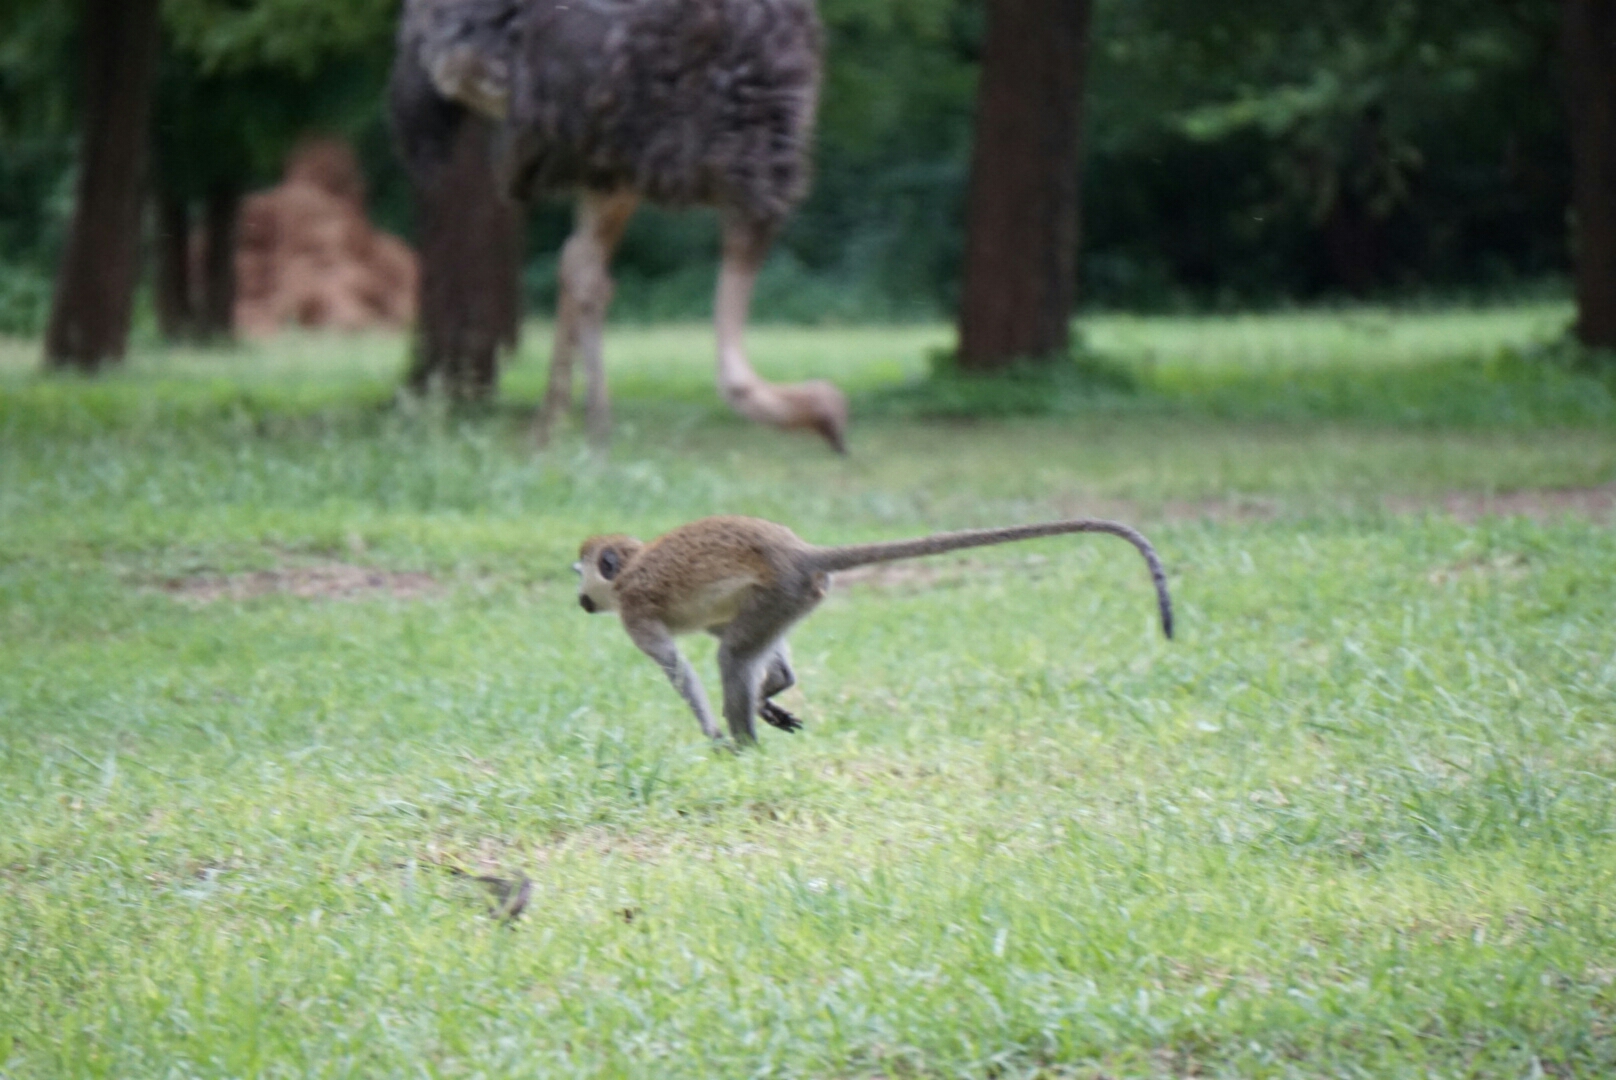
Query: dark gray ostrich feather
(685, 101)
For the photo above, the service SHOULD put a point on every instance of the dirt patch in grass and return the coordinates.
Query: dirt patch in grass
(918, 575)
(322, 581)
(938, 571)
(1513, 567)
(1220, 508)
(1540, 504)
(346, 581)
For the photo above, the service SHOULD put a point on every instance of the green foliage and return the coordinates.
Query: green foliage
(36, 154)
(1246, 153)
(1239, 154)
(241, 84)
(24, 300)
(296, 36)
(1357, 820)
(1079, 382)
(884, 225)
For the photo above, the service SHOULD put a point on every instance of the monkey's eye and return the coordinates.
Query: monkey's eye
(610, 563)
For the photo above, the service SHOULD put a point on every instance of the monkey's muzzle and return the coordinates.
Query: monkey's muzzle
(587, 604)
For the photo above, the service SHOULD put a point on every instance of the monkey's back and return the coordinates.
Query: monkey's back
(699, 575)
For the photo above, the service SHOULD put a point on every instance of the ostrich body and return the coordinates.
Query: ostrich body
(682, 102)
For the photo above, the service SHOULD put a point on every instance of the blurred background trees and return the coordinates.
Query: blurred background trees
(1022, 212)
(1233, 154)
(100, 260)
(1588, 30)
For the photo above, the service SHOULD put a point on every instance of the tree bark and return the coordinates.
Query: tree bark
(95, 282)
(172, 294)
(471, 250)
(1588, 42)
(217, 307)
(1022, 207)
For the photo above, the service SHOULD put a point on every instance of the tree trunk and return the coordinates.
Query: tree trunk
(1022, 209)
(471, 250)
(217, 309)
(172, 294)
(1589, 47)
(95, 283)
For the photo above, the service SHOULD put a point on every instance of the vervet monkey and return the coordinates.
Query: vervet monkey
(747, 582)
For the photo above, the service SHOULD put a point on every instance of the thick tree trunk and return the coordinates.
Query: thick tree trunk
(1022, 210)
(471, 250)
(176, 316)
(217, 308)
(95, 283)
(1589, 49)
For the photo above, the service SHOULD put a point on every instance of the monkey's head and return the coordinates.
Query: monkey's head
(600, 560)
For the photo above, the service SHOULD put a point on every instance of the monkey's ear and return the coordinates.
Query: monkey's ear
(610, 562)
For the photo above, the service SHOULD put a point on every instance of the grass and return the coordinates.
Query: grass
(1357, 821)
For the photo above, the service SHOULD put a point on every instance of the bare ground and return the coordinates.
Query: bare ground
(347, 581)
(323, 581)
(1540, 504)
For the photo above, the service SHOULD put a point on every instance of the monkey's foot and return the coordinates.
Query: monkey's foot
(778, 717)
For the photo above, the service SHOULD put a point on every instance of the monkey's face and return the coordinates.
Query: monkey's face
(600, 560)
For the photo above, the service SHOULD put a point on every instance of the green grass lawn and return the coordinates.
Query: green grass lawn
(276, 649)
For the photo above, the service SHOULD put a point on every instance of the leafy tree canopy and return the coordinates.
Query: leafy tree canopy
(242, 81)
(298, 37)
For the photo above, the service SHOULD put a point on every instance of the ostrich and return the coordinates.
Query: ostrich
(681, 102)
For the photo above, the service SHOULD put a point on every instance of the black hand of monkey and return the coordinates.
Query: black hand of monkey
(778, 717)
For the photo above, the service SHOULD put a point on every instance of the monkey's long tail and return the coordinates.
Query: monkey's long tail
(831, 559)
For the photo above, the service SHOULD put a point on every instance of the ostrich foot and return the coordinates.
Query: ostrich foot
(814, 406)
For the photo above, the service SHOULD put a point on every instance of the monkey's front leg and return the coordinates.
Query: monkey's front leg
(655, 641)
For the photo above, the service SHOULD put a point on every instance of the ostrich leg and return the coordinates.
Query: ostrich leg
(586, 290)
(817, 406)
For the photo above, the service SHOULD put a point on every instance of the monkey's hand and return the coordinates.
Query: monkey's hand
(778, 717)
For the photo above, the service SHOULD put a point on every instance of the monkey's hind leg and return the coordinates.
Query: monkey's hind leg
(779, 677)
(778, 717)
(750, 651)
(741, 669)
(655, 641)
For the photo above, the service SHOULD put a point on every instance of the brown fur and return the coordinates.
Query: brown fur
(748, 581)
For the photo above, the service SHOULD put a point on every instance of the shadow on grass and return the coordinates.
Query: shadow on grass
(1508, 388)
(1080, 382)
